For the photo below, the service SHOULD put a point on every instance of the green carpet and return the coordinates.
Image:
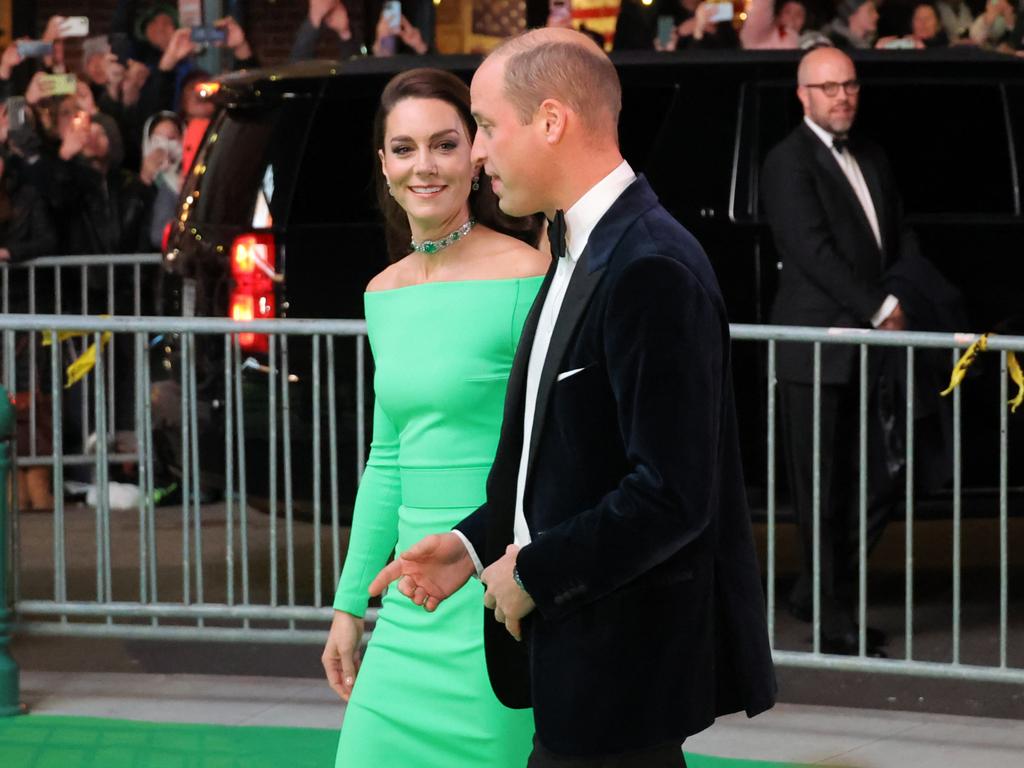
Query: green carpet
(44, 741)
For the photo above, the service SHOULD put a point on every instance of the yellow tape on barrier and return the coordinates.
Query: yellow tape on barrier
(968, 358)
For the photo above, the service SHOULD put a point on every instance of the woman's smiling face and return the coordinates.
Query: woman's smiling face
(426, 160)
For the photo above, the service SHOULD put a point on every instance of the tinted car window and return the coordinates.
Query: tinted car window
(263, 146)
(335, 180)
(948, 144)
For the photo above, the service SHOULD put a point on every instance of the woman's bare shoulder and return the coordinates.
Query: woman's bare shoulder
(394, 276)
(514, 258)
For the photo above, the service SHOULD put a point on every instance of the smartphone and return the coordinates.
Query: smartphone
(392, 13)
(666, 24)
(34, 49)
(59, 85)
(900, 44)
(17, 113)
(208, 35)
(74, 26)
(721, 12)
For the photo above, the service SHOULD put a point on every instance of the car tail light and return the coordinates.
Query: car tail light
(165, 237)
(253, 258)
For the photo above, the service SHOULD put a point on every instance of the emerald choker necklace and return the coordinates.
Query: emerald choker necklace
(433, 246)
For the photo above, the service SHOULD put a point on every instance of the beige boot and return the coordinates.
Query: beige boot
(39, 487)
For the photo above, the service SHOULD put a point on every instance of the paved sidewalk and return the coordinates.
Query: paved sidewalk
(818, 735)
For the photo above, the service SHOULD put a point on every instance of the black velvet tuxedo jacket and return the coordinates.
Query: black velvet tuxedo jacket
(831, 264)
(650, 618)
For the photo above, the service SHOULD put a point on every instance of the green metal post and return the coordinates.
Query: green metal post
(8, 667)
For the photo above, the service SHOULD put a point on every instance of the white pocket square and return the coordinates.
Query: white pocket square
(566, 374)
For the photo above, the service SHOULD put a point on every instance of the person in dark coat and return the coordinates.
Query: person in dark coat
(616, 490)
(835, 213)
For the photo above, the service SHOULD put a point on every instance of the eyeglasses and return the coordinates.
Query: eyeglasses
(832, 88)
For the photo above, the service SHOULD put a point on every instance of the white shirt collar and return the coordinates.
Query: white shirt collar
(826, 136)
(581, 219)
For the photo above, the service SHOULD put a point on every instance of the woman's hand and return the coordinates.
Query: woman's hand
(341, 653)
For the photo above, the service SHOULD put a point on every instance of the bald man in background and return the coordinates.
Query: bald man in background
(836, 216)
(623, 595)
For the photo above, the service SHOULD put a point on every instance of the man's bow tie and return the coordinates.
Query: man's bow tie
(556, 235)
(840, 143)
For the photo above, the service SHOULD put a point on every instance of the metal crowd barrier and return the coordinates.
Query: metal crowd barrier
(911, 343)
(279, 590)
(70, 285)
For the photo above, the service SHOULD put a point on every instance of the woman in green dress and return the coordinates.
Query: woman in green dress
(443, 323)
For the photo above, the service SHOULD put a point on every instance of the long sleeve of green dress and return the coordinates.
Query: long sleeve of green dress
(375, 518)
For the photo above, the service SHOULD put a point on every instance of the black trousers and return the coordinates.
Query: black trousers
(839, 521)
(667, 756)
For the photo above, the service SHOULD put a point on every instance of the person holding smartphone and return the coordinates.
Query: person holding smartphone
(395, 33)
(677, 25)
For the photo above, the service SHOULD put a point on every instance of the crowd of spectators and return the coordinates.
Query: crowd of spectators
(846, 24)
(91, 147)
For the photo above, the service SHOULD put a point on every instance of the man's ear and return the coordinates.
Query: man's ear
(553, 116)
(804, 96)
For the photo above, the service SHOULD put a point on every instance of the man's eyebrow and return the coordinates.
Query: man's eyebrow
(478, 117)
(433, 136)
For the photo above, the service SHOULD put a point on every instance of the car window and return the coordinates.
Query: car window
(244, 171)
(948, 144)
(335, 179)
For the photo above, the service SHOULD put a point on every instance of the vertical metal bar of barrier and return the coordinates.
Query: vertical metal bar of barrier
(816, 501)
(289, 511)
(103, 469)
(109, 426)
(229, 471)
(197, 547)
(1003, 510)
(360, 407)
(332, 437)
(770, 428)
(862, 503)
(32, 416)
(150, 488)
(243, 503)
(60, 587)
(57, 292)
(909, 504)
(957, 511)
(84, 383)
(140, 465)
(272, 408)
(186, 472)
(137, 289)
(317, 555)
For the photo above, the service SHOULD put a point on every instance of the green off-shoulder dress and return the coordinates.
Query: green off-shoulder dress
(422, 699)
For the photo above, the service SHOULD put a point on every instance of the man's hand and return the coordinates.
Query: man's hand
(337, 20)
(429, 571)
(318, 9)
(134, 78)
(411, 36)
(76, 137)
(235, 39)
(9, 60)
(341, 653)
(179, 49)
(896, 321)
(509, 601)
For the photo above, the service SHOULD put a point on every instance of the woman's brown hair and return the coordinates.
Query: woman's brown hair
(424, 83)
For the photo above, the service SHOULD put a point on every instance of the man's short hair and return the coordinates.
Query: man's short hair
(579, 75)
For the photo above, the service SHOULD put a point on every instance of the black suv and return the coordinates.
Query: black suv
(285, 169)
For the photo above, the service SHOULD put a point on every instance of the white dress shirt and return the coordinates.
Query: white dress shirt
(580, 221)
(851, 169)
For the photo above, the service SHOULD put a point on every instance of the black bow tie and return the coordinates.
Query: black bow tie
(840, 143)
(556, 235)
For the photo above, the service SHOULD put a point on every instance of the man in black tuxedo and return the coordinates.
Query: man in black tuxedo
(834, 211)
(619, 559)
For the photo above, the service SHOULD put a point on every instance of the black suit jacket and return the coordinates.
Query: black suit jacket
(832, 266)
(650, 619)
